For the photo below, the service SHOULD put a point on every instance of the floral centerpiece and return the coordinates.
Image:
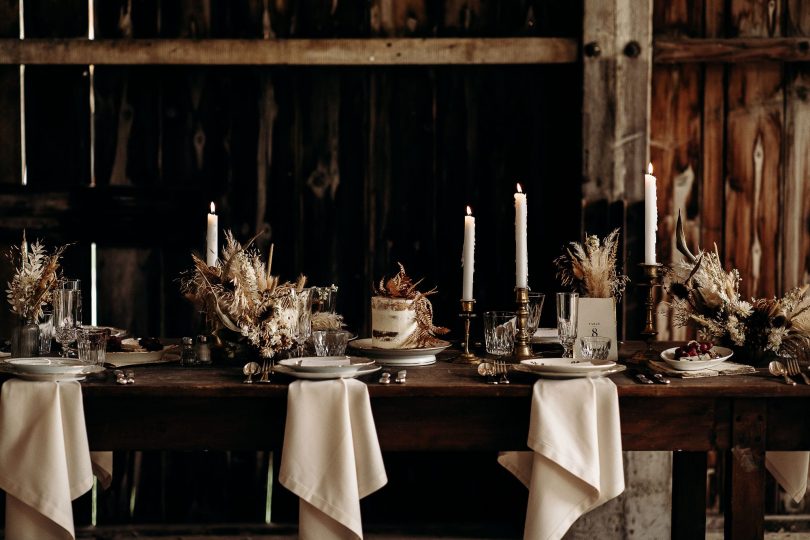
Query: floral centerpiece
(706, 296)
(239, 294)
(591, 268)
(36, 273)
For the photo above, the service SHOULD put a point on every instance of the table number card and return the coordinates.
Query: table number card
(597, 317)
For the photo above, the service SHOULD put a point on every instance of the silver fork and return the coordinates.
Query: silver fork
(265, 378)
(501, 368)
(794, 369)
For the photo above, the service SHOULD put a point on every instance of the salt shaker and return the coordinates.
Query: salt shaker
(203, 350)
(187, 355)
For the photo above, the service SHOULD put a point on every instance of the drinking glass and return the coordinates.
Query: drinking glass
(92, 345)
(303, 306)
(567, 321)
(324, 299)
(66, 313)
(499, 332)
(45, 332)
(536, 301)
(330, 342)
(595, 348)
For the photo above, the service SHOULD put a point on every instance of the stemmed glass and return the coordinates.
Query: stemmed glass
(567, 321)
(66, 316)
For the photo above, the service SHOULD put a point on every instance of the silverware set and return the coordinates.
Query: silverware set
(650, 377)
(790, 368)
(495, 371)
(124, 377)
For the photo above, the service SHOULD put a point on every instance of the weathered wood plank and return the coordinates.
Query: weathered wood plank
(675, 138)
(10, 133)
(745, 486)
(796, 214)
(318, 52)
(733, 50)
(754, 159)
(712, 188)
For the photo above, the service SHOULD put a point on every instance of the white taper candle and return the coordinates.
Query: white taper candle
(521, 243)
(650, 215)
(468, 256)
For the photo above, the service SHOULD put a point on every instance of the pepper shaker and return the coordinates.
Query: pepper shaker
(187, 356)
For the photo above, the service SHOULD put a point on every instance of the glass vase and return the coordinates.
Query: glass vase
(25, 339)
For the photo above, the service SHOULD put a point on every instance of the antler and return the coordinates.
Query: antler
(680, 241)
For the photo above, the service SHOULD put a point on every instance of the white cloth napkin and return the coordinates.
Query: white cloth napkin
(45, 460)
(331, 457)
(576, 463)
(790, 470)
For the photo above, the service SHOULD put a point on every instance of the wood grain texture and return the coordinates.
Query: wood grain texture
(320, 52)
(796, 215)
(712, 188)
(734, 50)
(675, 140)
(754, 159)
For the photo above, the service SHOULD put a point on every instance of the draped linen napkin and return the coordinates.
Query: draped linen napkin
(45, 461)
(790, 470)
(576, 463)
(331, 457)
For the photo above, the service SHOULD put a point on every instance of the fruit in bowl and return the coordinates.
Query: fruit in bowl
(696, 350)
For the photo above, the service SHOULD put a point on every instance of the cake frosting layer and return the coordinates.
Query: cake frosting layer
(393, 322)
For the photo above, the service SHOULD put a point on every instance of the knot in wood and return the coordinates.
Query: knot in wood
(632, 49)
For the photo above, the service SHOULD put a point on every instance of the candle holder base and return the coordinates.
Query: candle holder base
(467, 313)
(523, 346)
(653, 275)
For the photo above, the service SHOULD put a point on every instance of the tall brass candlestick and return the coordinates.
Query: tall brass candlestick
(523, 347)
(467, 313)
(652, 279)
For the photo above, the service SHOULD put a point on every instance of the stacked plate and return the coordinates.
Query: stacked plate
(568, 368)
(423, 356)
(50, 369)
(720, 355)
(326, 367)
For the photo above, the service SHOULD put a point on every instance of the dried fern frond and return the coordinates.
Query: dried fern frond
(591, 267)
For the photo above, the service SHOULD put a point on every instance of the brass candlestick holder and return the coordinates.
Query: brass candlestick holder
(523, 347)
(653, 273)
(467, 313)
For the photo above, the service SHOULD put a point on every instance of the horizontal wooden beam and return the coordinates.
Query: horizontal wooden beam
(675, 51)
(304, 52)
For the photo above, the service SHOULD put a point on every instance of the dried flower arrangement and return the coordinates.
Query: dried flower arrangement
(591, 268)
(707, 296)
(402, 286)
(241, 295)
(34, 278)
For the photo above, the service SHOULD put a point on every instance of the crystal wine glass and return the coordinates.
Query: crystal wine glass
(567, 321)
(66, 313)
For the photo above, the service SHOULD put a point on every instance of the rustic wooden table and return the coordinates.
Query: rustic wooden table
(449, 407)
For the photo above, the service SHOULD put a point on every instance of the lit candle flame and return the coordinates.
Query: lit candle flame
(650, 168)
(212, 207)
(469, 211)
(519, 189)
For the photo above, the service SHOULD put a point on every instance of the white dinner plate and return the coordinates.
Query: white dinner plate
(668, 356)
(48, 365)
(566, 365)
(323, 375)
(422, 356)
(546, 335)
(53, 376)
(114, 332)
(326, 364)
(618, 368)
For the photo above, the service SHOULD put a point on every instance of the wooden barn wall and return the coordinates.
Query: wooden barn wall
(730, 144)
(347, 170)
